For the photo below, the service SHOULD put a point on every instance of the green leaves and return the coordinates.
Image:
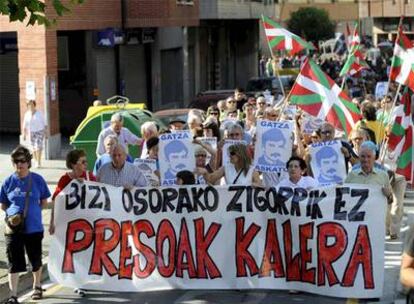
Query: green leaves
(33, 11)
(311, 23)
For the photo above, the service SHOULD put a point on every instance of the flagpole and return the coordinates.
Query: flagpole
(276, 70)
(286, 101)
(397, 38)
(343, 82)
(384, 146)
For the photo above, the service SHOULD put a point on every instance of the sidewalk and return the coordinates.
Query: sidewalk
(53, 169)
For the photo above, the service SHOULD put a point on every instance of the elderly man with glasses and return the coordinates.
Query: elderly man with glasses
(367, 173)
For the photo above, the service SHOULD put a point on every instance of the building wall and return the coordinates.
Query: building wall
(161, 13)
(394, 8)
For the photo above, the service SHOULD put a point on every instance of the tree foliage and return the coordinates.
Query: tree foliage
(311, 23)
(34, 10)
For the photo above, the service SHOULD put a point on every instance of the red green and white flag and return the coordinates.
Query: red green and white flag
(402, 65)
(400, 140)
(354, 63)
(283, 40)
(317, 94)
(356, 39)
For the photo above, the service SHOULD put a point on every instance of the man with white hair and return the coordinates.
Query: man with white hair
(367, 173)
(125, 137)
(119, 172)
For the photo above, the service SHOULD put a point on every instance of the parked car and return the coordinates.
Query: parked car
(258, 85)
(165, 116)
(207, 98)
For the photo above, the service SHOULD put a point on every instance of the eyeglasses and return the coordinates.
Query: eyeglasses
(232, 153)
(19, 160)
(234, 134)
(201, 155)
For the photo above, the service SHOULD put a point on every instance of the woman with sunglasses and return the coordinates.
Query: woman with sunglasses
(24, 188)
(77, 163)
(239, 172)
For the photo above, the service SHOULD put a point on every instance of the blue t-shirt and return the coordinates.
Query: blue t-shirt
(13, 195)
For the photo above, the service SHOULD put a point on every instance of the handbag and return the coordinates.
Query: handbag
(15, 223)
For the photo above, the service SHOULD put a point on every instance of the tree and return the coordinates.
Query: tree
(19, 10)
(311, 23)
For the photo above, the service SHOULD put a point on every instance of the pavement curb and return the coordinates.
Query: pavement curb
(25, 282)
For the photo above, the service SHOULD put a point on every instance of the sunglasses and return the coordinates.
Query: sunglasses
(234, 134)
(20, 160)
(201, 155)
(326, 132)
(232, 153)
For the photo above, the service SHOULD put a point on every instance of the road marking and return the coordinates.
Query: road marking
(352, 301)
(49, 287)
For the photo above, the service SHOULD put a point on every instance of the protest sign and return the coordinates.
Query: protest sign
(328, 162)
(328, 241)
(176, 154)
(310, 123)
(148, 167)
(225, 153)
(381, 89)
(273, 145)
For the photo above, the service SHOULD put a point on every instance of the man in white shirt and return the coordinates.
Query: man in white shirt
(124, 136)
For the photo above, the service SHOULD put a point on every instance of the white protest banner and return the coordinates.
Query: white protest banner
(225, 154)
(148, 167)
(328, 241)
(328, 162)
(273, 145)
(176, 154)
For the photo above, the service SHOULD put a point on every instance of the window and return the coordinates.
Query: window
(63, 53)
(185, 2)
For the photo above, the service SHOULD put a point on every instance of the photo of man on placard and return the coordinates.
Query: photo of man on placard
(273, 142)
(176, 155)
(327, 159)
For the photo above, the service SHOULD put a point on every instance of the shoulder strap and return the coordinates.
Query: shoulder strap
(237, 177)
(27, 198)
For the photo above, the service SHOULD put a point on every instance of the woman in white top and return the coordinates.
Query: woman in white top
(296, 168)
(148, 130)
(238, 172)
(34, 128)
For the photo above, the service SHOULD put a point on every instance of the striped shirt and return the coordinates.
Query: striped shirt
(128, 176)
